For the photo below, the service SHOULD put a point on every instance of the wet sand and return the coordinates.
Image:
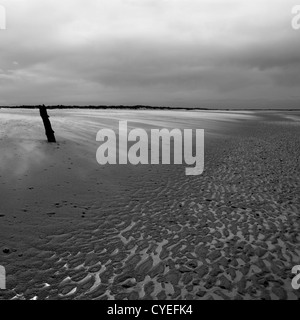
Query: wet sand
(72, 229)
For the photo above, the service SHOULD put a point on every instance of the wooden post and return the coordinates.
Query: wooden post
(47, 124)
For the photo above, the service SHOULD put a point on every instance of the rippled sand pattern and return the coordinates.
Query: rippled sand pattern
(231, 233)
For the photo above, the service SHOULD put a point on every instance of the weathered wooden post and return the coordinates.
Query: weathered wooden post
(47, 124)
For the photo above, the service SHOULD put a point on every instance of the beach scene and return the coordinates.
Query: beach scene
(150, 150)
(72, 229)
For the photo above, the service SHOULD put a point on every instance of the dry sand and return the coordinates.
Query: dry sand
(72, 229)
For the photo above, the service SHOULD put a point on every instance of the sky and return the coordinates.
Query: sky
(179, 53)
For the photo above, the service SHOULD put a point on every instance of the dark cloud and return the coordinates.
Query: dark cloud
(179, 52)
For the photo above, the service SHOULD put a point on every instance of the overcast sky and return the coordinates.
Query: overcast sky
(181, 53)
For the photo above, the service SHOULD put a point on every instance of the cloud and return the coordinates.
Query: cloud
(177, 52)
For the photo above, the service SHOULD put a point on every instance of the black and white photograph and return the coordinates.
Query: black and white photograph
(149, 150)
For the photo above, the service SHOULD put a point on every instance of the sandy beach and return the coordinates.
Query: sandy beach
(72, 229)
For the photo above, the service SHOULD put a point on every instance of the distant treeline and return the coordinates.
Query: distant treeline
(141, 107)
(137, 107)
